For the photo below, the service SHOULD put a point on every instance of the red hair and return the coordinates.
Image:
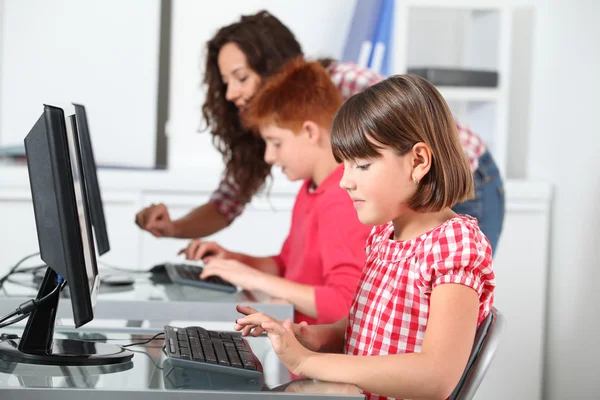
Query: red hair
(299, 92)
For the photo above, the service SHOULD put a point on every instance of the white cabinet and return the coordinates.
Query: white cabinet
(123, 234)
(260, 230)
(18, 236)
(521, 266)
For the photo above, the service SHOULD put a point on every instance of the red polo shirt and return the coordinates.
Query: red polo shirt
(325, 248)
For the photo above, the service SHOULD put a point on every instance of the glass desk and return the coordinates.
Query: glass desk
(149, 376)
(154, 303)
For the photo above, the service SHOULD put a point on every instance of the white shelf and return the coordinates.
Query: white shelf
(457, 4)
(451, 93)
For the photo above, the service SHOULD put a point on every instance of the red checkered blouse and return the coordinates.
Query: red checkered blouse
(350, 79)
(391, 307)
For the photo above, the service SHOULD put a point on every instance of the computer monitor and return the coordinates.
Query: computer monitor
(60, 204)
(91, 180)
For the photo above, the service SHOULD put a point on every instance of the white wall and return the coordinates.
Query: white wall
(320, 27)
(563, 148)
(520, 92)
(103, 54)
(1, 41)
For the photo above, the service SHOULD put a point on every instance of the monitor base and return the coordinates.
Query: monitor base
(66, 352)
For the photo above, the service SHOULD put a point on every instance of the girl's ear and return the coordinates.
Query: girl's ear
(312, 130)
(421, 161)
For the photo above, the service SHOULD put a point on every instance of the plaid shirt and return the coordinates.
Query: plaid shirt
(350, 79)
(391, 307)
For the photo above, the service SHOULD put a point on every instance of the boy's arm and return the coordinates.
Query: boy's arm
(432, 373)
(263, 264)
(300, 295)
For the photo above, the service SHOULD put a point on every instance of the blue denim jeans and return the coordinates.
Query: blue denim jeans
(488, 204)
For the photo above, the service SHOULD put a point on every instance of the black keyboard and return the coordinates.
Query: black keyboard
(187, 274)
(196, 347)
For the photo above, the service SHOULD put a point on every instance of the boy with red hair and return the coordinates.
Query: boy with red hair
(322, 258)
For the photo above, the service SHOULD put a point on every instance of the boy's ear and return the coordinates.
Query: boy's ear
(312, 130)
(421, 160)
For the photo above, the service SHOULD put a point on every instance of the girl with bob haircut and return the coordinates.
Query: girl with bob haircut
(428, 281)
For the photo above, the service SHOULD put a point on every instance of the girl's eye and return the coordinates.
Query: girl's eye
(242, 80)
(363, 167)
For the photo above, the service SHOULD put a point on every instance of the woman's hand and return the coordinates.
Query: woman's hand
(198, 249)
(156, 220)
(235, 272)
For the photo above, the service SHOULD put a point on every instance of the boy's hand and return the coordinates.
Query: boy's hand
(301, 331)
(234, 272)
(198, 249)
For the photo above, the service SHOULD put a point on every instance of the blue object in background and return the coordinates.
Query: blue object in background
(369, 38)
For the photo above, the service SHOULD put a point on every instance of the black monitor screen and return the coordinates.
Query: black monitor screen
(92, 186)
(82, 207)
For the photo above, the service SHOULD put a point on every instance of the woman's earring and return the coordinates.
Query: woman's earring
(415, 180)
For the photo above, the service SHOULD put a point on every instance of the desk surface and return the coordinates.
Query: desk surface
(154, 302)
(150, 375)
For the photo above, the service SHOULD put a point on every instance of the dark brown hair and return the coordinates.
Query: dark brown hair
(267, 44)
(299, 92)
(398, 113)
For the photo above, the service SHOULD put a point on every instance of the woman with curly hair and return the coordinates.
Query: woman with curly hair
(240, 57)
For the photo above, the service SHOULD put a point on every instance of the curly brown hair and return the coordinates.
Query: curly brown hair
(267, 44)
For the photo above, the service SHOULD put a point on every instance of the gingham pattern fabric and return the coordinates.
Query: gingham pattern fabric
(471, 143)
(349, 78)
(390, 310)
(225, 198)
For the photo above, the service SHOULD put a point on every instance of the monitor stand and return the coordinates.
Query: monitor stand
(37, 345)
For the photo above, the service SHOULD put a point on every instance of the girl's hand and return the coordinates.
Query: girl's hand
(235, 272)
(254, 327)
(289, 350)
(198, 249)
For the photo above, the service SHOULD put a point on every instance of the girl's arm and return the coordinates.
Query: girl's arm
(432, 373)
(330, 336)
